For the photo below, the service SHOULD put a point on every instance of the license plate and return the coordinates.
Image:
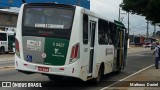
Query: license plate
(43, 69)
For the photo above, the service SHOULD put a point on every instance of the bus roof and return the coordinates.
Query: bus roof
(118, 23)
(84, 10)
(3, 31)
(8, 32)
(92, 13)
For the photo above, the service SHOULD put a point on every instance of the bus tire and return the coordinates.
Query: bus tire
(100, 75)
(118, 71)
(54, 78)
(2, 50)
(6, 52)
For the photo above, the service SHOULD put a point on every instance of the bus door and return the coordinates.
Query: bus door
(11, 42)
(92, 39)
(120, 50)
(3, 43)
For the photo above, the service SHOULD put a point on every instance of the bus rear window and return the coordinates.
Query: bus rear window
(3, 37)
(52, 18)
(48, 21)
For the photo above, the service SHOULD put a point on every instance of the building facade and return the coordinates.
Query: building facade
(8, 19)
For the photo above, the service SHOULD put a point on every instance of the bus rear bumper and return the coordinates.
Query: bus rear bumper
(70, 70)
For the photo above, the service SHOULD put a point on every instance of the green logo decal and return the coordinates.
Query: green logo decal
(56, 51)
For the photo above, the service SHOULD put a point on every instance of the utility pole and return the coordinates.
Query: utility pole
(128, 31)
(119, 14)
(154, 30)
(147, 28)
(128, 23)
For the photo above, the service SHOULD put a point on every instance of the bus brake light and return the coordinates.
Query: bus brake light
(44, 34)
(17, 47)
(74, 53)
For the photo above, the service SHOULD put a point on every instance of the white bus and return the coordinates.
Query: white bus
(7, 42)
(60, 40)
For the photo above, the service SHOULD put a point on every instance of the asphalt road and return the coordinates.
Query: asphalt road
(135, 62)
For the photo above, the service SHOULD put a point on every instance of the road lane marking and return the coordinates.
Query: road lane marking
(7, 68)
(127, 77)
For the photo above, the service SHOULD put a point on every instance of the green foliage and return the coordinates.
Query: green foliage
(148, 8)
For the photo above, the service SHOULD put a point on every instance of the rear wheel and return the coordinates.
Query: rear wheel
(118, 71)
(7, 52)
(54, 78)
(100, 75)
(2, 50)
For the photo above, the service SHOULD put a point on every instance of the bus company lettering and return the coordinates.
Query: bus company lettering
(57, 53)
(33, 45)
(58, 44)
(49, 26)
(40, 25)
(3, 43)
(57, 49)
(109, 51)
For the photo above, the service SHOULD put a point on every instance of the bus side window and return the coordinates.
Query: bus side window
(85, 29)
(102, 32)
(110, 40)
(3, 36)
(112, 33)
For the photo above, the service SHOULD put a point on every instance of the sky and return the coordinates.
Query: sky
(108, 9)
(17, 3)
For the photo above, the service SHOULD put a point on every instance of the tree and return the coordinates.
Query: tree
(148, 8)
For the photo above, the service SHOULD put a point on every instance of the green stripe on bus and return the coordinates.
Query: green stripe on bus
(56, 51)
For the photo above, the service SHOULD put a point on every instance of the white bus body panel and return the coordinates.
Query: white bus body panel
(79, 68)
(68, 68)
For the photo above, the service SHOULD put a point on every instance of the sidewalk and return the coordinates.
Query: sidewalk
(7, 57)
(133, 49)
(146, 79)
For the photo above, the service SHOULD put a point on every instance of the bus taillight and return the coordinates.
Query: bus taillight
(74, 53)
(17, 48)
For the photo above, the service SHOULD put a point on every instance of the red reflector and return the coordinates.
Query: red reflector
(17, 45)
(76, 51)
(72, 54)
(25, 64)
(44, 34)
(61, 68)
(73, 70)
(16, 63)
